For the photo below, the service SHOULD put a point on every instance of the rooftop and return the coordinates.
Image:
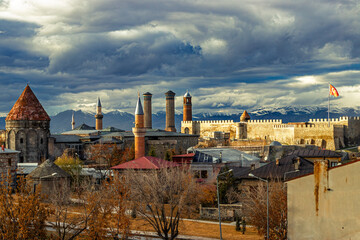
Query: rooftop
(48, 169)
(315, 153)
(228, 155)
(286, 167)
(28, 107)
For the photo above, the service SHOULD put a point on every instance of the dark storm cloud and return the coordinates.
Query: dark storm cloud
(225, 53)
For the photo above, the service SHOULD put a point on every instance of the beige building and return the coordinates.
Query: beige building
(325, 205)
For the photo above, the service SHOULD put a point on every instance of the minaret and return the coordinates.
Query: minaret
(170, 111)
(72, 121)
(187, 110)
(139, 130)
(147, 110)
(98, 116)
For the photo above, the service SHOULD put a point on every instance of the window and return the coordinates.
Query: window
(196, 174)
(9, 162)
(41, 141)
(333, 164)
(21, 140)
(21, 159)
(204, 174)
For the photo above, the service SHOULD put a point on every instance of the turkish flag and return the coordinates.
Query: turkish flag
(333, 91)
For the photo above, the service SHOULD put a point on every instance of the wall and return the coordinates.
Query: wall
(206, 128)
(325, 205)
(343, 131)
(29, 137)
(5, 159)
(262, 129)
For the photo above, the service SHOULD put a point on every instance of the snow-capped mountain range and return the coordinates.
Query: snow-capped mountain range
(62, 121)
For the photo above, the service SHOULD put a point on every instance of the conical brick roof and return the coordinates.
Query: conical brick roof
(28, 107)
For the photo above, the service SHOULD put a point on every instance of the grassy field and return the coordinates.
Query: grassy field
(200, 229)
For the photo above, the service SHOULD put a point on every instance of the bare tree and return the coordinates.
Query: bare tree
(96, 213)
(255, 205)
(162, 197)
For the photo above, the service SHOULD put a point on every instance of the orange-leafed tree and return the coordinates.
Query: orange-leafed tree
(207, 194)
(109, 155)
(22, 214)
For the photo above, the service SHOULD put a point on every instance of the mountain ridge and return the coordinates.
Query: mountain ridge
(61, 122)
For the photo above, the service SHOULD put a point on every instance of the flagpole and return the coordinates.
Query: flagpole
(329, 107)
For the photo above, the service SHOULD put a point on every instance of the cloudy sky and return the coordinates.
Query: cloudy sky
(231, 55)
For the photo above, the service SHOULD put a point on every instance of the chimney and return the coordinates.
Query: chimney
(297, 163)
(170, 111)
(277, 162)
(72, 122)
(147, 110)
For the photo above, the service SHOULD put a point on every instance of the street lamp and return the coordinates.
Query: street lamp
(267, 202)
(218, 198)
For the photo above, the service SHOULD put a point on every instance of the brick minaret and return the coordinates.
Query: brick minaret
(98, 116)
(187, 111)
(72, 121)
(147, 110)
(139, 131)
(170, 111)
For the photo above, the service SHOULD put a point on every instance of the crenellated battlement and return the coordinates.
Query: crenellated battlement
(283, 126)
(334, 120)
(209, 121)
(312, 126)
(266, 121)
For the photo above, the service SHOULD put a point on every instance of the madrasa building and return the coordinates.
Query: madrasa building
(28, 131)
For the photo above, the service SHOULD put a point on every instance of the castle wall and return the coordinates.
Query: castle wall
(284, 134)
(207, 128)
(262, 129)
(319, 135)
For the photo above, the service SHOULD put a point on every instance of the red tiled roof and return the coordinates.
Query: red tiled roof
(28, 107)
(146, 162)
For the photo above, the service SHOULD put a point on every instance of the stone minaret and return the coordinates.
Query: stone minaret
(139, 131)
(147, 110)
(170, 111)
(187, 111)
(72, 121)
(98, 116)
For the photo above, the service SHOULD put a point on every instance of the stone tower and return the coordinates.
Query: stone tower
(98, 116)
(244, 117)
(27, 128)
(241, 127)
(72, 121)
(139, 131)
(170, 111)
(147, 110)
(187, 111)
